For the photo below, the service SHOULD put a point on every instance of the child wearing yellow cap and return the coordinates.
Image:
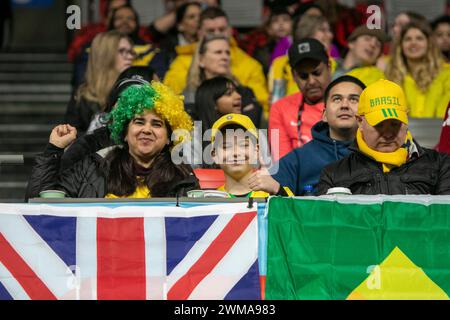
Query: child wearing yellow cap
(236, 151)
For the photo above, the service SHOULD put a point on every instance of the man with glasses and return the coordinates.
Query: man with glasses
(291, 118)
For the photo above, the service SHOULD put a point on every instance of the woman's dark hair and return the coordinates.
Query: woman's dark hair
(206, 97)
(160, 180)
(181, 11)
(134, 35)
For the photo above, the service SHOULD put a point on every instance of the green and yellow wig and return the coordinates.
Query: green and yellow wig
(157, 97)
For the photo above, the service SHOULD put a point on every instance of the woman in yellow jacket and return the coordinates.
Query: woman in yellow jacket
(247, 71)
(418, 66)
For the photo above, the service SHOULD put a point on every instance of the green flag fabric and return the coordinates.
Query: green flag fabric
(358, 247)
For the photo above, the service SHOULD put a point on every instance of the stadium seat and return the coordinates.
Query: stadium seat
(210, 178)
(426, 131)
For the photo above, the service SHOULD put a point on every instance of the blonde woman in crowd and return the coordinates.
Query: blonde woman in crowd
(211, 59)
(401, 20)
(418, 66)
(110, 54)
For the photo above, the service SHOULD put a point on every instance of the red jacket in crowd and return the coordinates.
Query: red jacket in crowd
(86, 34)
(284, 117)
(444, 142)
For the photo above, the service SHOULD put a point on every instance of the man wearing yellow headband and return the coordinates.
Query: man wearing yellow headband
(385, 158)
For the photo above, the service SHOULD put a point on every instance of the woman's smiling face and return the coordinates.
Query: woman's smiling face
(414, 44)
(147, 135)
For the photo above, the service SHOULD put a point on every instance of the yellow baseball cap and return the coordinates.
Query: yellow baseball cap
(234, 118)
(383, 100)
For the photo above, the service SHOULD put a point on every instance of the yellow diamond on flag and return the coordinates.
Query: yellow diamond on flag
(397, 278)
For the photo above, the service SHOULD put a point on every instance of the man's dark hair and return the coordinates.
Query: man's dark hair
(135, 33)
(278, 11)
(108, 4)
(440, 20)
(305, 7)
(212, 13)
(345, 78)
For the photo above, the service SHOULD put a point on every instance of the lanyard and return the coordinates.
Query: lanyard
(299, 119)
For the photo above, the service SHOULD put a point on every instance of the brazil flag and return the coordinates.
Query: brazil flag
(379, 247)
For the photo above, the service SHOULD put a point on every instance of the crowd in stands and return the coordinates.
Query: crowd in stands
(334, 94)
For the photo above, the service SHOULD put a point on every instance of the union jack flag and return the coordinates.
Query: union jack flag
(129, 252)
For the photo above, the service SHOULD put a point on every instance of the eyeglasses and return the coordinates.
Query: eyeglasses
(123, 52)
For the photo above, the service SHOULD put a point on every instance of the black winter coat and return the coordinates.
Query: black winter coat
(427, 173)
(86, 178)
(79, 114)
(83, 146)
(90, 143)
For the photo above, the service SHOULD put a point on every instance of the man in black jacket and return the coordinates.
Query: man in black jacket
(385, 158)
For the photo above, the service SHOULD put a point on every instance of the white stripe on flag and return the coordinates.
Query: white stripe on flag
(11, 285)
(125, 211)
(47, 265)
(155, 257)
(198, 249)
(234, 265)
(87, 257)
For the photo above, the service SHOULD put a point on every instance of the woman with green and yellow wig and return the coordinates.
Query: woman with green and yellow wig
(147, 121)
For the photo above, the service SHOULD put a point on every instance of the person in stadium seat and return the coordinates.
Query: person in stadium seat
(212, 59)
(294, 115)
(332, 137)
(140, 165)
(419, 68)
(441, 31)
(364, 48)
(236, 151)
(385, 158)
(110, 54)
(244, 68)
